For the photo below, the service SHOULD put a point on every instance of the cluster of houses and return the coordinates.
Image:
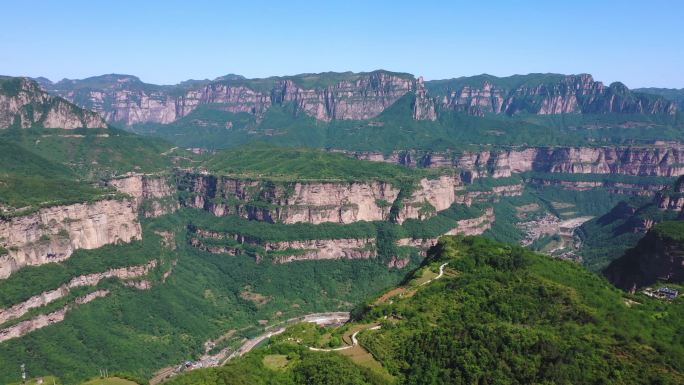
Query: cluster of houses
(662, 293)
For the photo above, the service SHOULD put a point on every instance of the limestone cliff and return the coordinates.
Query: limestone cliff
(43, 320)
(124, 99)
(315, 202)
(544, 94)
(423, 105)
(52, 234)
(295, 250)
(469, 226)
(24, 104)
(47, 297)
(154, 194)
(672, 198)
(656, 160)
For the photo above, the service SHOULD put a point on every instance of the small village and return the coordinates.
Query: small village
(666, 293)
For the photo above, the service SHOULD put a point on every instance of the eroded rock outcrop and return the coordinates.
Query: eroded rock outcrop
(42, 299)
(294, 250)
(317, 202)
(43, 320)
(469, 226)
(52, 234)
(672, 198)
(657, 160)
(544, 94)
(153, 194)
(126, 100)
(24, 104)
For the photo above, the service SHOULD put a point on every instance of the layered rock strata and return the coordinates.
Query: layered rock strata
(553, 94)
(52, 234)
(317, 202)
(153, 194)
(663, 160)
(126, 100)
(24, 104)
(42, 299)
(24, 327)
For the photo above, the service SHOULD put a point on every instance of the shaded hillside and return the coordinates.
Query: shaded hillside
(659, 256)
(608, 237)
(676, 95)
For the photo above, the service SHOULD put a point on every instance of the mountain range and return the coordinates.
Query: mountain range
(144, 226)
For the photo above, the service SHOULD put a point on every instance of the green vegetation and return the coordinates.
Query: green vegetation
(396, 130)
(109, 381)
(94, 153)
(676, 95)
(29, 180)
(500, 314)
(607, 237)
(673, 230)
(302, 367)
(654, 260)
(33, 280)
(605, 178)
(519, 317)
(260, 161)
(137, 332)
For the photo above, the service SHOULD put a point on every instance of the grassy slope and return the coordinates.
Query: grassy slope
(299, 164)
(28, 179)
(94, 153)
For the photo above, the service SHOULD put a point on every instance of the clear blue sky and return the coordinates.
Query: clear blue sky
(639, 42)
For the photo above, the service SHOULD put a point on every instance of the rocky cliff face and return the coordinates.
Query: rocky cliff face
(154, 195)
(544, 95)
(24, 104)
(423, 105)
(126, 100)
(52, 234)
(316, 202)
(470, 226)
(47, 297)
(613, 187)
(657, 256)
(672, 198)
(657, 160)
(295, 250)
(43, 320)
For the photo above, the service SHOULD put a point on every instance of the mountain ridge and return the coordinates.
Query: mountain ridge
(326, 96)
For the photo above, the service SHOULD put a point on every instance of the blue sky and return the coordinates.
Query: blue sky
(640, 43)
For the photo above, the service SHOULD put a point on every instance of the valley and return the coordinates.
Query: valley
(222, 212)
